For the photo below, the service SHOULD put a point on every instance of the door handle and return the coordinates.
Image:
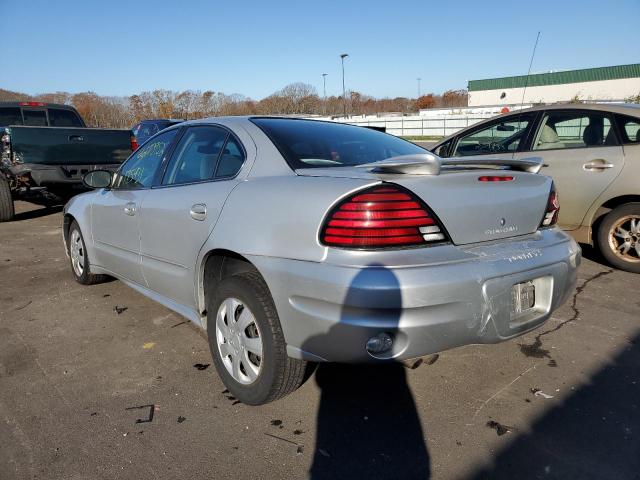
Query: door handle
(597, 165)
(130, 208)
(76, 138)
(198, 211)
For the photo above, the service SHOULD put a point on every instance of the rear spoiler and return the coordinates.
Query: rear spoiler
(427, 164)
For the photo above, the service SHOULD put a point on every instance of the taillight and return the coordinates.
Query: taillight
(553, 209)
(379, 217)
(32, 104)
(495, 178)
(134, 143)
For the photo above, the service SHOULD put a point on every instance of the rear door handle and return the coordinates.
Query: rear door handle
(130, 209)
(198, 211)
(76, 138)
(597, 165)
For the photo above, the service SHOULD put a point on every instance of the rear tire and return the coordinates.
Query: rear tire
(79, 259)
(241, 321)
(7, 210)
(619, 237)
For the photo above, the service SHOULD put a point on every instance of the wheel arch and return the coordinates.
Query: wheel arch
(605, 208)
(217, 264)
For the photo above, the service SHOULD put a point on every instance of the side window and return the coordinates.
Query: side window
(444, 150)
(629, 128)
(10, 116)
(63, 118)
(579, 129)
(140, 169)
(231, 159)
(196, 155)
(501, 137)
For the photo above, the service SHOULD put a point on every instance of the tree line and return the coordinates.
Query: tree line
(296, 98)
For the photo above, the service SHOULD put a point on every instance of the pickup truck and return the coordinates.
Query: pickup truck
(45, 149)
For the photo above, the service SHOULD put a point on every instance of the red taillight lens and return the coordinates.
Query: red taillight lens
(32, 104)
(378, 217)
(134, 143)
(553, 209)
(495, 178)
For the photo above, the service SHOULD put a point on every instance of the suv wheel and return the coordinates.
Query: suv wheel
(246, 341)
(79, 258)
(619, 237)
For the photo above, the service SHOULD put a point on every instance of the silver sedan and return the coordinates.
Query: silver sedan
(295, 241)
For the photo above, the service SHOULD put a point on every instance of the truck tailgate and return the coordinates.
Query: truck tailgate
(69, 146)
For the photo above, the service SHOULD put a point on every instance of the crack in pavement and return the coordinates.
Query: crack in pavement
(535, 349)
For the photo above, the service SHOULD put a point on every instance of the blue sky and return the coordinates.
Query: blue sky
(254, 48)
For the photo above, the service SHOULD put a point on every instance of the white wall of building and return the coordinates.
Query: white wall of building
(618, 89)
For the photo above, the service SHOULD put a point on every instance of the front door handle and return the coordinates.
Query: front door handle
(599, 164)
(198, 211)
(130, 209)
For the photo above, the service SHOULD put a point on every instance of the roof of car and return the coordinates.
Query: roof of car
(624, 108)
(35, 103)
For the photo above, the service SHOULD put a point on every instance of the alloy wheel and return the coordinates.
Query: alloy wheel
(624, 238)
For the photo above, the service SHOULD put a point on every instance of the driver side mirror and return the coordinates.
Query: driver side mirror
(97, 179)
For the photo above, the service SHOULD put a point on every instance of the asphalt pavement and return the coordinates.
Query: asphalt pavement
(101, 383)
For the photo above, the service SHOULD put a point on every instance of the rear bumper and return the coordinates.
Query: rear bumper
(328, 312)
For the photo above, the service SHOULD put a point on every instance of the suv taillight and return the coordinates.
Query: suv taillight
(553, 209)
(380, 217)
(134, 143)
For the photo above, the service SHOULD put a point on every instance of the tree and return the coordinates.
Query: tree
(426, 101)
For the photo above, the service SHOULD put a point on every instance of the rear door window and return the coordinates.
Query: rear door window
(231, 159)
(10, 116)
(196, 155)
(575, 129)
(63, 118)
(629, 128)
(34, 118)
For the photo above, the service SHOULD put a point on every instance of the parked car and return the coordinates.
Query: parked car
(591, 151)
(45, 149)
(146, 129)
(294, 241)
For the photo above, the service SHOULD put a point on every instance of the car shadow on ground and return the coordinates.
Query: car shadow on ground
(367, 423)
(593, 254)
(593, 434)
(37, 213)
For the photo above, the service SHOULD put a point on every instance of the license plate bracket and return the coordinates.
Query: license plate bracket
(523, 298)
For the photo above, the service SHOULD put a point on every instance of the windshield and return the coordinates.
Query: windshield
(311, 143)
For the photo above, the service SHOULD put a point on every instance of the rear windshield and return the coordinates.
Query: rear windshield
(63, 118)
(10, 116)
(309, 143)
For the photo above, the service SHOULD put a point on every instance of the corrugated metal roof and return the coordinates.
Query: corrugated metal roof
(557, 78)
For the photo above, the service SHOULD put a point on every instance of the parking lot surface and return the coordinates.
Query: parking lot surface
(100, 382)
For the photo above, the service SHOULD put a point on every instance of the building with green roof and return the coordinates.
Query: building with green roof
(615, 83)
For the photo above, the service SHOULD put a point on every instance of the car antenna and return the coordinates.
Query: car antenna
(526, 81)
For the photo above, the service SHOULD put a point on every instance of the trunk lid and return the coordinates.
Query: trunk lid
(471, 211)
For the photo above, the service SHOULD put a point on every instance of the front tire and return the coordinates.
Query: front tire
(619, 237)
(7, 210)
(246, 341)
(80, 267)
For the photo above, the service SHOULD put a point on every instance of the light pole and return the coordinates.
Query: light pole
(324, 90)
(344, 91)
(419, 86)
